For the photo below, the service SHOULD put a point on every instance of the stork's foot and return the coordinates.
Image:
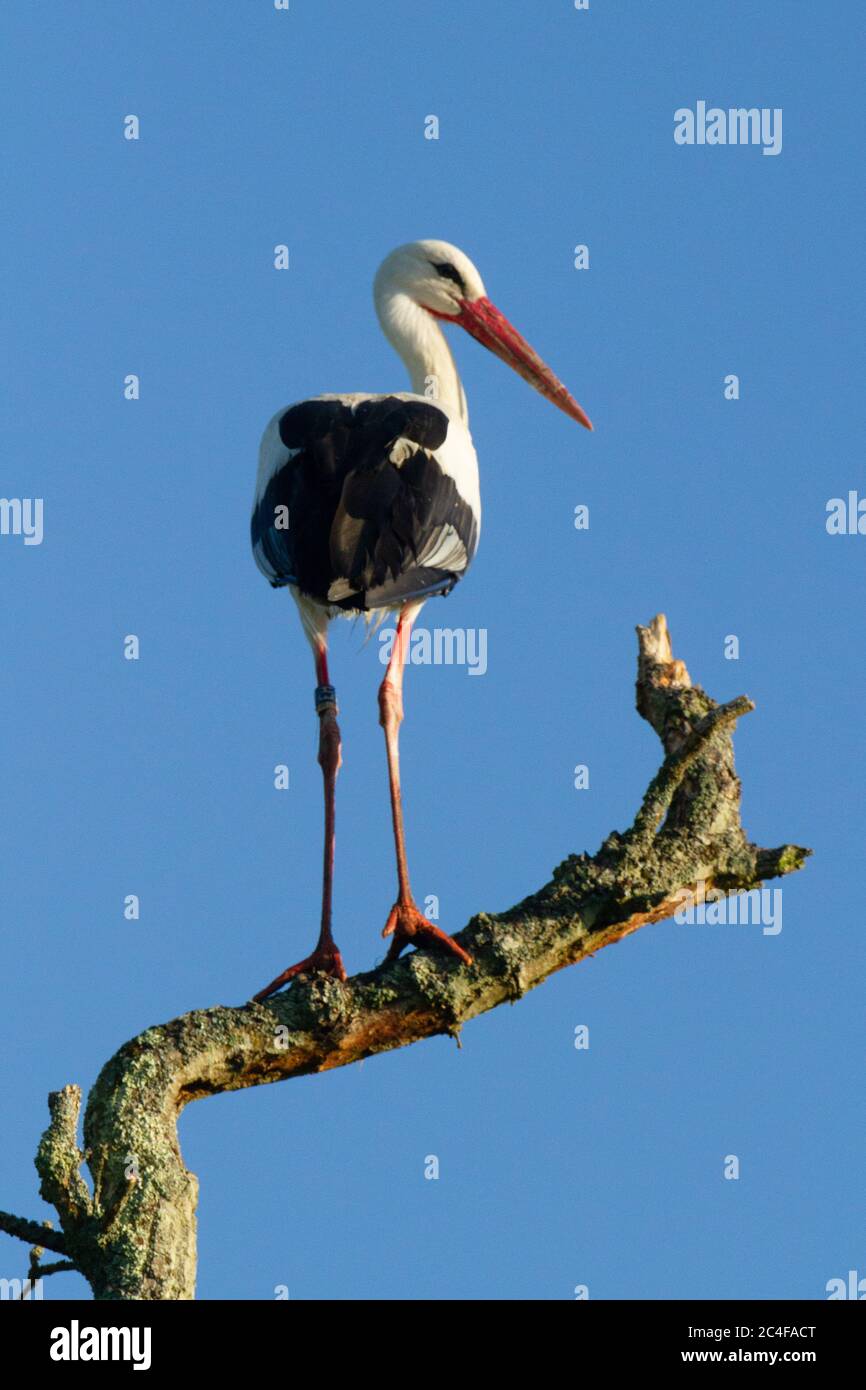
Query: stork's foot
(409, 927)
(325, 960)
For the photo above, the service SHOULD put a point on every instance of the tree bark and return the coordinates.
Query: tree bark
(133, 1237)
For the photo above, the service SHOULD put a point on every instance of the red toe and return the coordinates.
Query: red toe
(410, 927)
(325, 960)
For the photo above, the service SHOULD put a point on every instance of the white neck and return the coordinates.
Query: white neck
(419, 340)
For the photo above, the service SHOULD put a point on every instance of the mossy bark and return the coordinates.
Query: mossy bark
(133, 1237)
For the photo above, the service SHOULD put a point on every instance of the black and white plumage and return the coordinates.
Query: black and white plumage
(369, 503)
(371, 489)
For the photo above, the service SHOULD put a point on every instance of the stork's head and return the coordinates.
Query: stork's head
(441, 279)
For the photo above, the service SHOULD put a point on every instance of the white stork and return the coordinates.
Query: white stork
(380, 496)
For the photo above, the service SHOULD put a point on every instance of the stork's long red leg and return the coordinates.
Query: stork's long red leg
(326, 956)
(405, 921)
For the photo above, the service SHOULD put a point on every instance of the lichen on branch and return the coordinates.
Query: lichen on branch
(134, 1236)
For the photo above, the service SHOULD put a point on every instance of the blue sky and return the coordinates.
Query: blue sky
(558, 1167)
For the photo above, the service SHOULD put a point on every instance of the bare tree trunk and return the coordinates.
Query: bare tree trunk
(134, 1236)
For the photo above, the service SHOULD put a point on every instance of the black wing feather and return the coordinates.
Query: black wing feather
(358, 521)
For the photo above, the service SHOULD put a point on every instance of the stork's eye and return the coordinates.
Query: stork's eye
(449, 272)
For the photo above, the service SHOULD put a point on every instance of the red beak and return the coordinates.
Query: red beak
(484, 321)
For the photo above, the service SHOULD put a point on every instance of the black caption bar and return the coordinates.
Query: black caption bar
(80, 1339)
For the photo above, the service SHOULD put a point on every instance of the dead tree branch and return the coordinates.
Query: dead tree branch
(34, 1232)
(134, 1237)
